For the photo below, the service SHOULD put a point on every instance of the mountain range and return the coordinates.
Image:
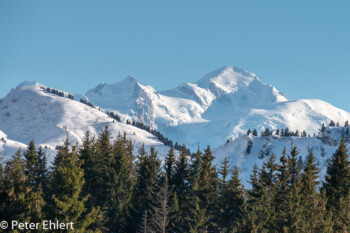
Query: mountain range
(222, 105)
(217, 110)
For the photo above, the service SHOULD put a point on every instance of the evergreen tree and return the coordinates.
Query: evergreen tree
(31, 164)
(255, 133)
(147, 169)
(169, 166)
(208, 184)
(21, 202)
(181, 187)
(89, 162)
(261, 212)
(42, 171)
(293, 207)
(67, 179)
(315, 216)
(337, 184)
(119, 187)
(232, 204)
(196, 218)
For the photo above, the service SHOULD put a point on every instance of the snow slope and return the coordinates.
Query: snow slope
(223, 104)
(29, 112)
(323, 146)
(144, 104)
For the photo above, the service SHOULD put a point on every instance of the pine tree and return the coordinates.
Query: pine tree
(255, 133)
(89, 162)
(22, 202)
(31, 164)
(261, 212)
(293, 205)
(119, 187)
(147, 169)
(337, 185)
(208, 183)
(315, 216)
(169, 166)
(67, 179)
(282, 190)
(232, 204)
(181, 188)
(42, 179)
(196, 218)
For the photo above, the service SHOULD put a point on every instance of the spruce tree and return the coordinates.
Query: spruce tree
(147, 169)
(120, 187)
(169, 166)
(232, 204)
(67, 179)
(337, 183)
(261, 210)
(31, 164)
(315, 216)
(22, 202)
(293, 207)
(208, 184)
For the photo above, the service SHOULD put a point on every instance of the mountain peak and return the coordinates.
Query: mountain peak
(27, 84)
(129, 79)
(228, 79)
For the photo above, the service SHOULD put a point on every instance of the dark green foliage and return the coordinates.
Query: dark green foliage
(231, 202)
(207, 188)
(337, 185)
(103, 187)
(67, 179)
(21, 202)
(147, 170)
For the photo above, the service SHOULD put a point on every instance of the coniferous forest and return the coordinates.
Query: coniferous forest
(102, 187)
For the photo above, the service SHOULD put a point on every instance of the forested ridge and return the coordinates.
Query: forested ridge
(102, 187)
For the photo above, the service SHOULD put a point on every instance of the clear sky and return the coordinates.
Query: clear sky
(300, 47)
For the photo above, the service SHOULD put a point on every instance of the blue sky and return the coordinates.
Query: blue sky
(301, 47)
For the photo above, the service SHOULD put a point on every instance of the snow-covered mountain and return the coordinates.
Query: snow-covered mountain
(221, 105)
(31, 112)
(217, 111)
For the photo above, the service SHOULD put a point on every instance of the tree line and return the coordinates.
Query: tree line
(103, 187)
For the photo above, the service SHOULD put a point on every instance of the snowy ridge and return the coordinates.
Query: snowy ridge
(221, 105)
(29, 112)
(323, 146)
